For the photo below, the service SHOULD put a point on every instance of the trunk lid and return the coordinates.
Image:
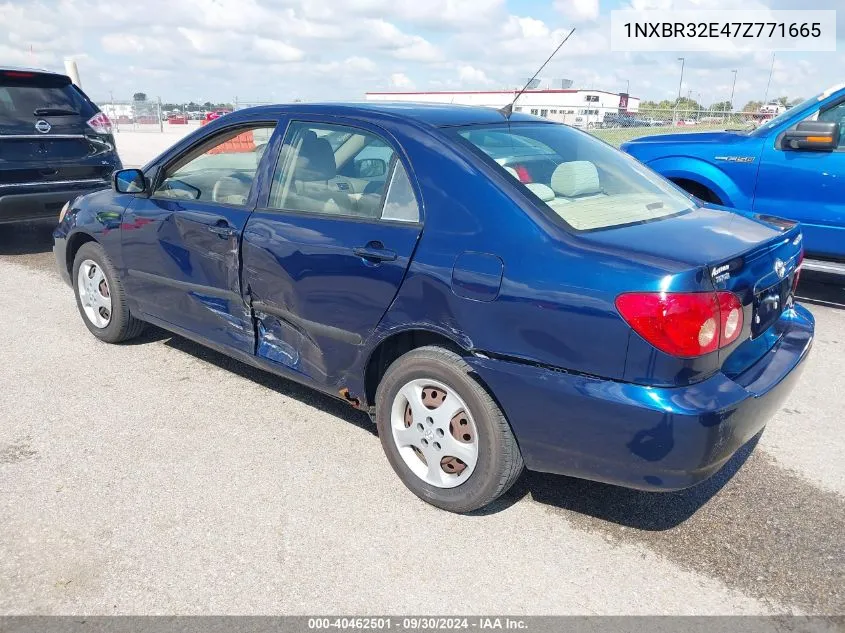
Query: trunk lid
(714, 249)
(44, 134)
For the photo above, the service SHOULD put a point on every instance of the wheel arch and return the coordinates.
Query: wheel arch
(74, 243)
(395, 345)
(701, 174)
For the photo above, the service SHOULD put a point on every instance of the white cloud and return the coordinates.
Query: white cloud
(578, 10)
(470, 75)
(278, 51)
(401, 81)
(267, 50)
(402, 46)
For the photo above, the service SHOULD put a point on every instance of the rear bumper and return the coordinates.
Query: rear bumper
(645, 437)
(29, 204)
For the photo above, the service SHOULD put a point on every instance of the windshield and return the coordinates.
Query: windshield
(581, 180)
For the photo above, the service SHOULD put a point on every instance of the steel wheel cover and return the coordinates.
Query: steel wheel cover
(94, 293)
(434, 432)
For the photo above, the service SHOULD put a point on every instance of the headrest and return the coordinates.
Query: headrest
(315, 160)
(544, 192)
(576, 178)
(512, 172)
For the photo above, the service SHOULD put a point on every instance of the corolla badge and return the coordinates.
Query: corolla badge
(780, 268)
(42, 126)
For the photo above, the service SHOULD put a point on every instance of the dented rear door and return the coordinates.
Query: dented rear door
(326, 251)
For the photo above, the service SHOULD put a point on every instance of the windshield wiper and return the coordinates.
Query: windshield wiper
(54, 112)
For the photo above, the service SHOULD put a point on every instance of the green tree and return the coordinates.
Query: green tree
(139, 96)
(752, 106)
(721, 106)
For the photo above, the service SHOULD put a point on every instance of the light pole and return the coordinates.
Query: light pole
(732, 91)
(627, 86)
(680, 83)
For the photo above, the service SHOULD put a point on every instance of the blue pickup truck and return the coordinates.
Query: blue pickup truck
(792, 167)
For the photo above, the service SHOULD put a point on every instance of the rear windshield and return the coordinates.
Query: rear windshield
(581, 180)
(21, 96)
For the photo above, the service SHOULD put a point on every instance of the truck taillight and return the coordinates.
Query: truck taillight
(684, 324)
(100, 123)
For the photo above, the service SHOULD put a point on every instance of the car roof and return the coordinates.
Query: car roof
(434, 114)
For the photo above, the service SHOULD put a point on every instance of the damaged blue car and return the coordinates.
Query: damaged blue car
(496, 290)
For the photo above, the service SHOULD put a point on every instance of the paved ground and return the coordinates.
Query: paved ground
(137, 146)
(160, 477)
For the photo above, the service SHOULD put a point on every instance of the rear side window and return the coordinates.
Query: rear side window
(331, 170)
(27, 98)
(577, 178)
(400, 204)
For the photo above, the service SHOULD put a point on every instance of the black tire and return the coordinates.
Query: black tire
(499, 460)
(122, 326)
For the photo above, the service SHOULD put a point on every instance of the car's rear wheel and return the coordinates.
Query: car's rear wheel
(443, 434)
(100, 296)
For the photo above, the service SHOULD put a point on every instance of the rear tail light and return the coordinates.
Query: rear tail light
(730, 316)
(100, 123)
(687, 324)
(17, 74)
(797, 272)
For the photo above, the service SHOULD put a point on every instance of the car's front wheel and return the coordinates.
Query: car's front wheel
(443, 434)
(100, 296)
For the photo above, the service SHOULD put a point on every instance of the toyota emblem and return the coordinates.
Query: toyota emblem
(42, 126)
(780, 268)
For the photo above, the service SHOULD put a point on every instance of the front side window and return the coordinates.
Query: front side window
(581, 180)
(836, 114)
(221, 170)
(339, 170)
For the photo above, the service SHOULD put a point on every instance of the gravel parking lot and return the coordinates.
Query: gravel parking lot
(161, 477)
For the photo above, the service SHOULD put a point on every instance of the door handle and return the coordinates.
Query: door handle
(223, 230)
(375, 252)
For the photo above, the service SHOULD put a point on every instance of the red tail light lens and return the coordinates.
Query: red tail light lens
(797, 272)
(100, 123)
(522, 174)
(683, 324)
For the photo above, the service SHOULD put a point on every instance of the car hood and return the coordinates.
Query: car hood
(692, 138)
(698, 237)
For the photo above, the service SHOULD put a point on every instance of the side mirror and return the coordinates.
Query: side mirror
(819, 136)
(129, 181)
(370, 167)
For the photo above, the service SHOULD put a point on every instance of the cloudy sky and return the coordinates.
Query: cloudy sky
(280, 50)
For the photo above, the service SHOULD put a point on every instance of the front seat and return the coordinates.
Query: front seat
(315, 167)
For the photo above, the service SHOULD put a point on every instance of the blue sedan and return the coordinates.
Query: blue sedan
(497, 293)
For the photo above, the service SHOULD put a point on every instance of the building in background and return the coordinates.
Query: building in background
(580, 108)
